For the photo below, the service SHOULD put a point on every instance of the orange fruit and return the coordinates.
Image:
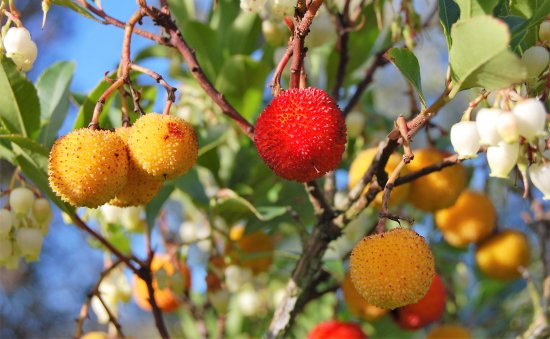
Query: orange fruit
(436, 190)
(361, 164)
(254, 250)
(392, 269)
(427, 310)
(502, 255)
(471, 219)
(166, 299)
(357, 304)
(449, 332)
(335, 329)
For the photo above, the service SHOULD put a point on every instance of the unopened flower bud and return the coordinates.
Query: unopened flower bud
(502, 159)
(29, 241)
(465, 139)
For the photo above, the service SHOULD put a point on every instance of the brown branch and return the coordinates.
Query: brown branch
(318, 199)
(447, 162)
(170, 91)
(108, 20)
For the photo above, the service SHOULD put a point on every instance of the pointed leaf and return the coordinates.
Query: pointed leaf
(406, 62)
(472, 8)
(75, 7)
(53, 92)
(449, 12)
(19, 106)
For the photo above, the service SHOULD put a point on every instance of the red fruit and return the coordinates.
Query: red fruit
(335, 329)
(429, 309)
(301, 134)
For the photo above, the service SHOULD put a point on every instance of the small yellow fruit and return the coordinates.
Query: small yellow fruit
(163, 145)
(502, 255)
(88, 167)
(471, 219)
(95, 335)
(141, 187)
(357, 305)
(392, 269)
(436, 190)
(167, 300)
(361, 164)
(449, 332)
(254, 250)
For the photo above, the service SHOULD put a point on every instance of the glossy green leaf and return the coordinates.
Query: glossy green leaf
(19, 105)
(183, 10)
(406, 62)
(153, 208)
(86, 111)
(71, 4)
(449, 12)
(53, 87)
(191, 185)
(480, 57)
(243, 34)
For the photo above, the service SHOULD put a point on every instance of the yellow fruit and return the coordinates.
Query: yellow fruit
(166, 299)
(392, 269)
(502, 255)
(88, 167)
(95, 335)
(360, 165)
(163, 145)
(357, 305)
(254, 251)
(141, 187)
(439, 189)
(449, 332)
(471, 219)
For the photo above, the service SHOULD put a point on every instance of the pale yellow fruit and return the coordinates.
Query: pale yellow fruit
(502, 255)
(360, 165)
(88, 167)
(392, 269)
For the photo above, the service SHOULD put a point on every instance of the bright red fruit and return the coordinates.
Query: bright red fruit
(335, 329)
(301, 134)
(429, 309)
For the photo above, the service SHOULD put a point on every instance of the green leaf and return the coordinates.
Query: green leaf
(153, 208)
(233, 208)
(243, 35)
(449, 12)
(182, 9)
(53, 92)
(406, 62)
(75, 7)
(479, 56)
(19, 106)
(472, 8)
(191, 185)
(86, 111)
(205, 41)
(26, 143)
(242, 81)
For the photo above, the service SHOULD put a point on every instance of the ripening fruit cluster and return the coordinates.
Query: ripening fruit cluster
(392, 269)
(169, 282)
(125, 167)
(301, 134)
(20, 48)
(508, 136)
(336, 329)
(22, 227)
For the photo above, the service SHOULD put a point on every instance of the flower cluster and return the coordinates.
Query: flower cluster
(20, 48)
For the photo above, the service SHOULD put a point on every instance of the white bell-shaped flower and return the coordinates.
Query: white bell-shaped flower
(486, 121)
(507, 127)
(6, 249)
(465, 139)
(21, 200)
(535, 60)
(530, 116)
(131, 218)
(540, 176)
(502, 159)
(249, 302)
(544, 32)
(29, 241)
(6, 222)
(111, 214)
(20, 48)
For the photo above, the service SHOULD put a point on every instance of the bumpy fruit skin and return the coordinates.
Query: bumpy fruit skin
(253, 251)
(335, 329)
(163, 145)
(357, 304)
(502, 255)
(436, 190)
(471, 219)
(88, 167)
(166, 299)
(361, 164)
(392, 269)
(301, 134)
(449, 332)
(428, 310)
(141, 187)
